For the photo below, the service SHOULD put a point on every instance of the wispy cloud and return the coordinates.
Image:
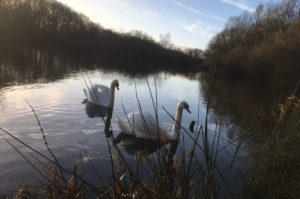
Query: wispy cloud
(200, 28)
(151, 17)
(190, 8)
(191, 27)
(151, 14)
(148, 16)
(118, 3)
(240, 4)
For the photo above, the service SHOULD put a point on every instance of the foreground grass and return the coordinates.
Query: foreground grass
(275, 171)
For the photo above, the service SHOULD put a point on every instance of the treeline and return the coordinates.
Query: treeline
(50, 25)
(263, 46)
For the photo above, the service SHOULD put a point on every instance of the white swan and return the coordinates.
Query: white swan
(138, 128)
(101, 95)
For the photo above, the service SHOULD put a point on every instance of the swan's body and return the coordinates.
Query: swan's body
(102, 95)
(143, 125)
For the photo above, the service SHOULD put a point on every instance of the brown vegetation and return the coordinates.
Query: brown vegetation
(274, 173)
(263, 46)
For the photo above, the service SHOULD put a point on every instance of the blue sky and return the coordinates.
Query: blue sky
(191, 23)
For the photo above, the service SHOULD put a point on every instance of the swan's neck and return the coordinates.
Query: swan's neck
(177, 124)
(112, 96)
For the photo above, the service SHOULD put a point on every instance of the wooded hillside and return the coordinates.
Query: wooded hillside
(50, 25)
(263, 46)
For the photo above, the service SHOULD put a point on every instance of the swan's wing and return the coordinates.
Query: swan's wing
(125, 127)
(100, 94)
(85, 92)
(144, 124)
(89, 94)
(128, 129)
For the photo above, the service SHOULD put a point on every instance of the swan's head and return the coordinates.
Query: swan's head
(115, 83)
(184, 105)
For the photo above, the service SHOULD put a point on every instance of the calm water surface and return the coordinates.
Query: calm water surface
(70, 130)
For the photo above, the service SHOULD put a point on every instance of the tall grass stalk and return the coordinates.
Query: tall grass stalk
(46, 143)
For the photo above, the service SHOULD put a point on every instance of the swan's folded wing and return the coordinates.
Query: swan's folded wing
(125, 128)
(102, 94)
(85, 92)
(145, 125)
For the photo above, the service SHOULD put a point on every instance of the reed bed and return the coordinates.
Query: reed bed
(275, 169)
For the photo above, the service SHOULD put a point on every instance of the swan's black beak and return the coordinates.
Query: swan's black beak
(188, 110)
(118, 87)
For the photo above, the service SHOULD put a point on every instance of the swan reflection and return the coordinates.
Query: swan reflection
(93, 110)
(133, 145)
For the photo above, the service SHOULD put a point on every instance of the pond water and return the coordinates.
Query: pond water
(70, 128)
